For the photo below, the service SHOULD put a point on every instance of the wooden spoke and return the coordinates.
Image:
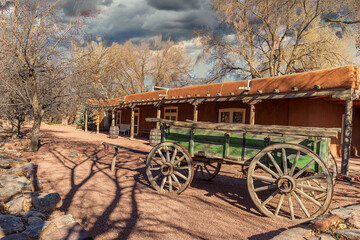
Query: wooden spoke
(170, 184)
(320, 196)
(294, 163)
(311, 188)
(202, 170)
(310, 177)
(291, 207)
(267, 169)
(270, 197)
(301, 204)
(264, 178)
(163, 183)
(210, 165)
(154, 168)
(304, 169)
(173, 155)
(319, 184)
(207, 170)
(179, 160)
(157, 176)
(275, 164)
(180, 175)
(176, 180)
(284, 160)
(161, 155)
(278, 207)
(157, 161)
(167, 154)
(308, 197)
(267, 187)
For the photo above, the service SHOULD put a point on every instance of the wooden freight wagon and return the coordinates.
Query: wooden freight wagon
(290, 171)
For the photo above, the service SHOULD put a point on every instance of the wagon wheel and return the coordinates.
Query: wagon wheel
(206, 170)
(332, 166)
(294, 185)
(169, 168)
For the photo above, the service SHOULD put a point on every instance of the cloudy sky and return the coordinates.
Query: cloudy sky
(121, 20)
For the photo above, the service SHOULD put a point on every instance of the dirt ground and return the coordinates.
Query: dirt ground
(122, 205)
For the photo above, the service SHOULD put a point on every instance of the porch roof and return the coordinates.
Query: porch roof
(331, 82)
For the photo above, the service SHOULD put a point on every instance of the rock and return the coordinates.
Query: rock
(5, 164)
(27, 169)
(29, 214)
(55, 214)
(354, 219)
(16, 206)
(323, 223)
(13, 185)
(36, 228)
(58, 222)
(16, 236)
(47, 202)
(73, 155)
(349, 234)
(34, 220)
(345, 212)
(73, 231)
(10, 224)
(325, 236)
(297, 233)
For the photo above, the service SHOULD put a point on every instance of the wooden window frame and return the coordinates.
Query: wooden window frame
(117, 118)
(231, 111)
(171, 114)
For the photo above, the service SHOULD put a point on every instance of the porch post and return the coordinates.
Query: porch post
(158, 115)
(132, 123)
(252, 114)
(195, 113)
(86, 120)
(98, 122)
(346, 136)
(113, 117)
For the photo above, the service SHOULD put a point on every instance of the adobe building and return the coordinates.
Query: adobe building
(327, 98)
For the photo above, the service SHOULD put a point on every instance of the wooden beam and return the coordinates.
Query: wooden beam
(158, 115)
(98, 122)
(252, 114)
(86, 120)
(346, 137)
(113, 118)
(256, 129)
(195, 113)
(132, 123)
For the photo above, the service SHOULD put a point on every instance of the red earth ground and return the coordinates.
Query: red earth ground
(123, 205)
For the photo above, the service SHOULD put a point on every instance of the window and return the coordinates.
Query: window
(118, 118)
(171, 113)
(232, 115)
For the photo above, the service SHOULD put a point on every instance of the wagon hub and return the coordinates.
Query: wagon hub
(286, 184)
(167, 169)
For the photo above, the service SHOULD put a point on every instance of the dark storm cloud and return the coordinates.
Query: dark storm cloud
(83, 7)
(174, 5)
(142, 19)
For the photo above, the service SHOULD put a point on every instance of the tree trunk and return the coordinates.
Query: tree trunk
(15, 125)
(34, 144)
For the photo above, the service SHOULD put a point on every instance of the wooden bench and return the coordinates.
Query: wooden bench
(124, 128)
(117, 148)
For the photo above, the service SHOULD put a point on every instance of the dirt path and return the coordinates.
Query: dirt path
(122, 205)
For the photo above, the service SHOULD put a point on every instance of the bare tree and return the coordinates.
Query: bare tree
(260, 38)
(33, 44)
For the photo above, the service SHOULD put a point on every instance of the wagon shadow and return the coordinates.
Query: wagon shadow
(228, 189)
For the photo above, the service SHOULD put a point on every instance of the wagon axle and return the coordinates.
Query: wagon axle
(286, 184)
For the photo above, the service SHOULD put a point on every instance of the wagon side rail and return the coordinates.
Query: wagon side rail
(254, 129)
